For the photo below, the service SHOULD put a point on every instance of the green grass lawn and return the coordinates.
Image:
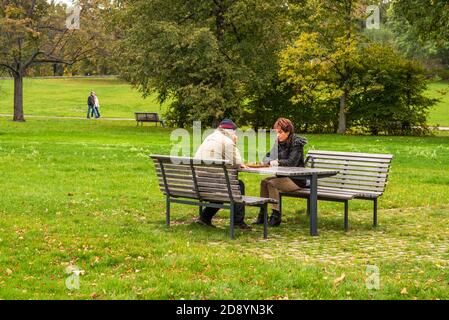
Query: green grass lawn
(439, 114)
(68, 97)
(84, 193)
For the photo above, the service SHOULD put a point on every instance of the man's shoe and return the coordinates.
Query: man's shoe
(259, 219)
(204, 222)
(275, 219)
(242, 226)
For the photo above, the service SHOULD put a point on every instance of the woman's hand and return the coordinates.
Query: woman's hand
(274, 163)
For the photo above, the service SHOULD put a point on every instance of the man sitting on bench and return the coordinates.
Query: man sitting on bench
(221, 145)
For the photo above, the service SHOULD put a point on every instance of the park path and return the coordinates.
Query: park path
(127, 119)
(77, 118)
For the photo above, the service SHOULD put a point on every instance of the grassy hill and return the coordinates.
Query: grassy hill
(68, 97)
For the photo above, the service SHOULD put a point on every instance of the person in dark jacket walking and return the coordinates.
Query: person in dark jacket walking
(91, 106)
(287, 152)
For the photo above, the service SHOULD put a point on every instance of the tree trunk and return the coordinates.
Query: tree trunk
(219, 20)
(18, 98)
(342, 113)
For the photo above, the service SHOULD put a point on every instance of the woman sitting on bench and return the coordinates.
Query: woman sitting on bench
(288, 151)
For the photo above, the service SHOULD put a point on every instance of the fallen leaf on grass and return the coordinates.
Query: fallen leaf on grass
(340, 279)
(94, 295)
(404, 291)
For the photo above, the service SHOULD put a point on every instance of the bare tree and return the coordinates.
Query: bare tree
(34, 32)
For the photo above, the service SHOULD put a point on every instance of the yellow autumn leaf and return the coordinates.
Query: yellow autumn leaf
(340, 279)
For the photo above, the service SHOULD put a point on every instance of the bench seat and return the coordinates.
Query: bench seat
(361, 176)
(204, 183)
(142, 117)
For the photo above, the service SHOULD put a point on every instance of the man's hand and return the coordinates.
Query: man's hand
(243, 166)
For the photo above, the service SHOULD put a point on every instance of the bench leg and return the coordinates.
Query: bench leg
(265, 221)
(313, 205)
(167, 211)
(375, 213)
(231, 227)
(280, 203)
(346, 216)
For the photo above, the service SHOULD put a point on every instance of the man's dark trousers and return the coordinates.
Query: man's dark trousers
(239, 213)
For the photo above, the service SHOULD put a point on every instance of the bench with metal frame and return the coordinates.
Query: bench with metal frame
(148, 117)
(361, 176)
(204, 183)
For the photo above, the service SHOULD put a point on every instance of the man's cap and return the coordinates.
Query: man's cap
(228, 124)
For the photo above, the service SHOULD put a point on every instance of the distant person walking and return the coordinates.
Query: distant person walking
(91, 106)
(97, 105)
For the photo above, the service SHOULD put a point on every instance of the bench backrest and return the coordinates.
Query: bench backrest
(147, 116)
(197, 179)
(366, 173)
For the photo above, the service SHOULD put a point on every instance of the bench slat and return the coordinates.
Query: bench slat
(351, 154)
(360, 177)
(181, 194)
(321, 194)
(350, 158)
(350, 163)
(349, 186)
(205, 180)
(343, 181)
(213, 186)
(200, 175)
(176, 181)
(197, 167)
(224, 197)
(175, 176)
(355, 169)
(177, 187)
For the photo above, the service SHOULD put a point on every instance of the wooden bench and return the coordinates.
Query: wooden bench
(361, 176)
(148, 117)
(204, 183)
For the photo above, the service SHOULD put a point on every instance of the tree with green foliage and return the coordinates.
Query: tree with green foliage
(206, 57)
(429, 19)
(391, 97)
(335, 68)
(323, 61)
(421, 36)
(33, 32)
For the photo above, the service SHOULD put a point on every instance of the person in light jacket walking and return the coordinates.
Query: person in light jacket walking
(96, 106)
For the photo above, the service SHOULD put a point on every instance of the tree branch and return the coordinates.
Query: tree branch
(8, 67)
